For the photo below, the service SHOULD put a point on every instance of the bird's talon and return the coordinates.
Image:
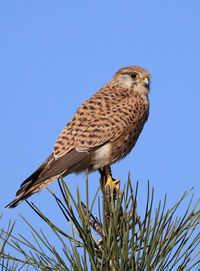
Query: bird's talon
(111, 185)
(116, 181)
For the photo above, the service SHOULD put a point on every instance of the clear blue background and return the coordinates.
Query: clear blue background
(56, 54)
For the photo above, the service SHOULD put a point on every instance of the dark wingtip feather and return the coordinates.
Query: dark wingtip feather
(18, 200)
(13, 204)
(23, 193)
(35, 174)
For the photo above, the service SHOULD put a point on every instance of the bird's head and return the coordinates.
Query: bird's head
(133, 78)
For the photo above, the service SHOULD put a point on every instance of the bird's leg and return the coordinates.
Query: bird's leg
(102, 179)
(87, 173)
(102, 173)
(111, 183)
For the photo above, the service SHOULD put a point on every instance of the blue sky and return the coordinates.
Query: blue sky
(56, 54)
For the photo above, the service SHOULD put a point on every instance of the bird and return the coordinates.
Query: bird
(104, 130)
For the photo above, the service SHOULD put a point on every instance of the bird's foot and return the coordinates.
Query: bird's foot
(111, 184)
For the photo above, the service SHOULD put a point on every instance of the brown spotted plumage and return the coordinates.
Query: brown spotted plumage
(104, 130)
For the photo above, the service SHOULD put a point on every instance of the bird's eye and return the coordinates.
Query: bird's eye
(134, 75)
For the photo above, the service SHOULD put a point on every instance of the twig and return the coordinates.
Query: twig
(93, 222)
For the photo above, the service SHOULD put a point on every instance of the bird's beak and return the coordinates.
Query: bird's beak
(145, 82)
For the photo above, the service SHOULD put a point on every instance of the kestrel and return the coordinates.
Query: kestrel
(103, 130)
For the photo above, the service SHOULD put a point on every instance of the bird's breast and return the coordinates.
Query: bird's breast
(126, 141)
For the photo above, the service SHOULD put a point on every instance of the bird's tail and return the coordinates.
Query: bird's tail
(33, 184)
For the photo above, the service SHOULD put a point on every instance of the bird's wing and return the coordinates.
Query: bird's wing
(52, 167)
(93, 130)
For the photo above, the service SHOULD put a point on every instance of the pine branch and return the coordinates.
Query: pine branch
(114, 239)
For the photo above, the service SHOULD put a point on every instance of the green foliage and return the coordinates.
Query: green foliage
(117, 240)
(5, 262)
